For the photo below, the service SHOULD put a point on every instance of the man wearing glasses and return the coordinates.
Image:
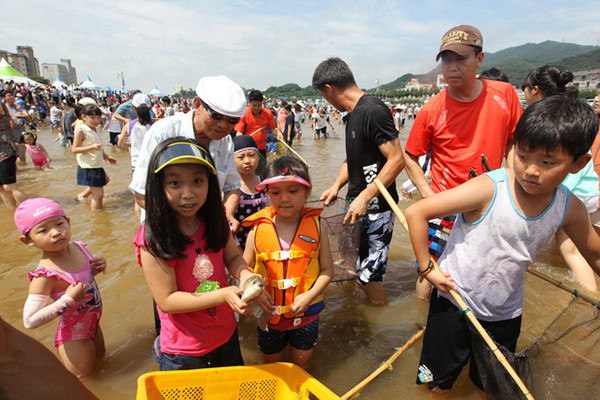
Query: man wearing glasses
(218, 106)
(469, 118)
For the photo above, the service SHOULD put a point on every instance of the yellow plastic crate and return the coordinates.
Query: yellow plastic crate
(257, 382)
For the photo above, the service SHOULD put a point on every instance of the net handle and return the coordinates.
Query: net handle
(385, 365)
(559, 284)
(459, 300)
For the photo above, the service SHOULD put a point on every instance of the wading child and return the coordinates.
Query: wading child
(505, 217)
(184, 248)
(65, 273)
(87, 146)
(37, 152)
(133, 132)
(246, 158)
(288, 247)
(550, 81)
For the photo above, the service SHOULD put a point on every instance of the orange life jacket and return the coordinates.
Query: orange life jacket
(285, 283)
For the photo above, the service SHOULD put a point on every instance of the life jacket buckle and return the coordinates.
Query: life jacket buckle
(281, 255)
(285, 284)
(280, 310)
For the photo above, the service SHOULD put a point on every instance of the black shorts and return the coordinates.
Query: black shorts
(94, 177)
(322, 130)
(447, 343)
(8, 171)
(303, 338)
(114, 137)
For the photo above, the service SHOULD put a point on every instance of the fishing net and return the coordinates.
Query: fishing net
(344, 239)
(284, 149)
(565, 359)
(562, 363)
(496, 381)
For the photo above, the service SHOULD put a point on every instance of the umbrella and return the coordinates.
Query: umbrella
(89, 84)
(155, 92)
(8, 73)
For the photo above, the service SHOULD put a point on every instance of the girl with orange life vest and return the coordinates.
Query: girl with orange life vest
(288, 248)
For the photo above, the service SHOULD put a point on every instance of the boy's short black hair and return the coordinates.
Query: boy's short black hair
(255, 95)
(335, 72)
(558, 121)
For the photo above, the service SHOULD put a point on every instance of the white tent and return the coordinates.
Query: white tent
(89, 84)
(59, 83)
(155, 92)
(8, 73)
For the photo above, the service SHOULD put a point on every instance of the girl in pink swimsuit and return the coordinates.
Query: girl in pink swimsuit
(37, 152)
(65, 274)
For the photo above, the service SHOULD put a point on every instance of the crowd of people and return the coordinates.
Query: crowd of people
(500, 182)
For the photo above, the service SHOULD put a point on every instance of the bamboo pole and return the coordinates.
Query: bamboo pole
(559, 284)
(385, 365)
(258, 130)
(461, 303)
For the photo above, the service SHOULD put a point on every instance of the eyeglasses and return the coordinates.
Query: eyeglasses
(217, 117)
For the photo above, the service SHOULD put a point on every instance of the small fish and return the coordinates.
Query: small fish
(253, 287)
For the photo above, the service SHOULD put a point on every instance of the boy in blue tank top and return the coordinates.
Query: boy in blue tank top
(505, 217)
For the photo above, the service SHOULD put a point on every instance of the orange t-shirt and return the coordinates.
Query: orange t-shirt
(457, 133)
(251, 123)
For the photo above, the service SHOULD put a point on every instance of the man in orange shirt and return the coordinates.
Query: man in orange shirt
(256, 121)
(469, 118)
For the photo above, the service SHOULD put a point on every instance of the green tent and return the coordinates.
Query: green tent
(8, 73)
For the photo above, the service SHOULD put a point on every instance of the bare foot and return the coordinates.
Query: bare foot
(375, 293)
(440, 393)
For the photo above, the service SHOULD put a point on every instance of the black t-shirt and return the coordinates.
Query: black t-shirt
(369, 125)
(289, 121)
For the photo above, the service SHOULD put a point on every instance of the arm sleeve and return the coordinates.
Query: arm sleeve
(419, 138)
(37, 313)
(151, 140)
(232, 178)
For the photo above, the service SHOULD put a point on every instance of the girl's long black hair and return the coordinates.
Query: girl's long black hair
(164, 237)
(143, 114)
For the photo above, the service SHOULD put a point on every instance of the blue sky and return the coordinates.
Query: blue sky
(262, 43)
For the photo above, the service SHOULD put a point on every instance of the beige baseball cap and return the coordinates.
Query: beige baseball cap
(461, 40)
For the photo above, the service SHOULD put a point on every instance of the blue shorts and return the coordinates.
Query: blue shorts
(226, 355)
(375, 238)
(303, 338)
(94, 177)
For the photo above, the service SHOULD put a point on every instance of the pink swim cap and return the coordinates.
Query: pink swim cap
(34, 211)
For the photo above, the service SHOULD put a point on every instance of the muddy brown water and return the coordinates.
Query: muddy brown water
(354, 337)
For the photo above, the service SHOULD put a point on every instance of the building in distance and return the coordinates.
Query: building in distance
(23, 60)
(64, 69)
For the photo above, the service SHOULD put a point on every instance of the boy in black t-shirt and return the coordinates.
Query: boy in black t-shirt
(372, 151)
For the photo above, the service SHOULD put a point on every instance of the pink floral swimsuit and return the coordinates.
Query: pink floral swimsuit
(82, 320)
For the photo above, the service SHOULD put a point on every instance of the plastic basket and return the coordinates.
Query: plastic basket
(258, 382)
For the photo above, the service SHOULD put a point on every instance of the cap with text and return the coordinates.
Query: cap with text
(461, 40)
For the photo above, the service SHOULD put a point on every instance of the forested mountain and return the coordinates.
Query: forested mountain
(516, 62)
